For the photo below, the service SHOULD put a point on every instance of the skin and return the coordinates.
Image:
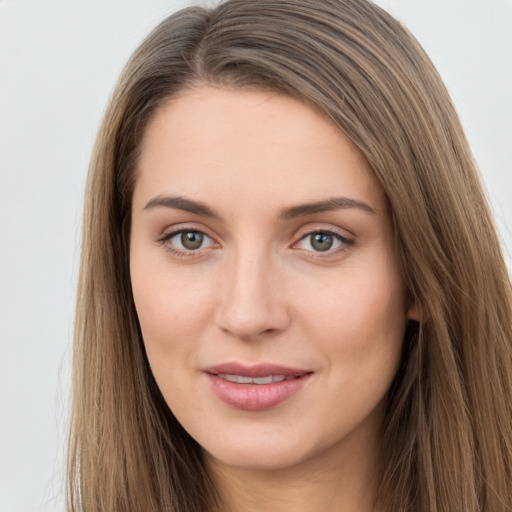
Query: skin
(256, 291)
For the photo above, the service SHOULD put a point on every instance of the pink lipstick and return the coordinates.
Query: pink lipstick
(255, 388)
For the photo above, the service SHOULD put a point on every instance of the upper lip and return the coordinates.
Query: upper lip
(258, 370)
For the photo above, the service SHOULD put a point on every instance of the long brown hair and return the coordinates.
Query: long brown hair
(447, 433)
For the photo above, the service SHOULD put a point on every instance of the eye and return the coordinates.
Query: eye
(322, 241)
(186, 241)
(189, 240)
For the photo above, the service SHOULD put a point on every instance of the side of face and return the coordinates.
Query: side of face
(261, 242)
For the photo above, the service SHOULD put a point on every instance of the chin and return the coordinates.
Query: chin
(273, 453)
(257, 459)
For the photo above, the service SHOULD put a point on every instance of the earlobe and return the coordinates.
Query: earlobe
(413, 312)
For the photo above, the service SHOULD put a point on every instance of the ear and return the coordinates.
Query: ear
(413, 311)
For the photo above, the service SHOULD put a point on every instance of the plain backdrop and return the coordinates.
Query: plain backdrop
(59, 60)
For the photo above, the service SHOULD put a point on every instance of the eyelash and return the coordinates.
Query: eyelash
(177, 252)
(345, 243)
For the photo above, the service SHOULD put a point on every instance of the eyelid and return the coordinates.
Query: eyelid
(173, 231)
(309, 230)
(346, 242)
(326, 227)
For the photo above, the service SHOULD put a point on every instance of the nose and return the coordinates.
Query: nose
(252, 301)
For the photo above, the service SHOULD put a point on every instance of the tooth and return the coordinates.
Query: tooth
(242, 379)
(226, 376)
(263, 380)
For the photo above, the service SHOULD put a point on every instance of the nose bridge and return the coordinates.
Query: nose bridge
(251, 302)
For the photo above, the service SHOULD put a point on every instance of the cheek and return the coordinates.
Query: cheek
(172, 308)
(360, 311)
(172, 314)
(357, 323)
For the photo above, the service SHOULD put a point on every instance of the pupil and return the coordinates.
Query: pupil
(322, 241)
(191, 240)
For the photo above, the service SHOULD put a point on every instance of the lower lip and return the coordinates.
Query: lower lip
(256, 397)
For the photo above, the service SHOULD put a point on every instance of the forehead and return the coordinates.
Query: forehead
(233, 143)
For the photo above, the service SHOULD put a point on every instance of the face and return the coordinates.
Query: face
(265, 278)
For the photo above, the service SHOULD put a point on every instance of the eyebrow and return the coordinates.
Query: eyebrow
(181, 203)
(334, 203)
(198, 208)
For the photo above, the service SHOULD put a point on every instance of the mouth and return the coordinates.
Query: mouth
(255, 388)
(244, 379)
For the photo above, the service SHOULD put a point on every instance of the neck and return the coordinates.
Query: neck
(341, 480)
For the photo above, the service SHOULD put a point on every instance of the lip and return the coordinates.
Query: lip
(256, 397)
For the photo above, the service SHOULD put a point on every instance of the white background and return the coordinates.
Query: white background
(59, 60)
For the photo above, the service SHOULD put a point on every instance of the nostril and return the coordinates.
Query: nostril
(248, 307)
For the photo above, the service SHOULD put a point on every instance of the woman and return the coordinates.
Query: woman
(292, 294)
